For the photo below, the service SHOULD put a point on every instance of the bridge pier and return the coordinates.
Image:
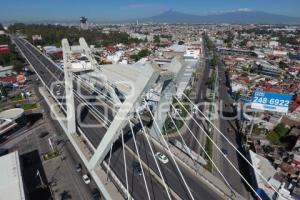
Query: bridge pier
(70, 105)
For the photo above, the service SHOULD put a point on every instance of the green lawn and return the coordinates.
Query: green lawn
(179, 123)
(19, 97)
(209, 150)
(29, 106)
(170, 126)
(279, 132)
(51, 155)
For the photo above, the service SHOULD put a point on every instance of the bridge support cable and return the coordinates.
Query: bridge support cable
(109, 158)
(218, 148)
(51, 72)
(82, 99)
(54, 73)
(125, 164)
(153, 154)
(203, 149)
(177, 130)
(170, 152)
(139, 158)
(95, 111)
(229, 142)
(93, 89)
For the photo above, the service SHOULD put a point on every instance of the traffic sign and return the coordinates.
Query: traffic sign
(271, 101)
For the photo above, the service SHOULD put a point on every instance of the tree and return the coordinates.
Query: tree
(156, 39)
(282, 65)
(215, 60)
(142, 54)
(229, 39)
(273, 138)
(243, 43)
(53, 34)
(17, 65)
(4, 39)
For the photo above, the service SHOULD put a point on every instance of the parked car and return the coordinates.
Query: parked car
(57, 93)
(96, 194)
(78, 167)
(225, 151)
(137, 169)
(162, 157)
(86, 179)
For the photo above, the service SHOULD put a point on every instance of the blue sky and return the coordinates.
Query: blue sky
(106, 10)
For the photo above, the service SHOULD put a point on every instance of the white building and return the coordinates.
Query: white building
(192, 54)
(10, 118)
(116, 57)
(11, 182)
(185, 77)
(263, 168)
(273, 44)
(278, 52)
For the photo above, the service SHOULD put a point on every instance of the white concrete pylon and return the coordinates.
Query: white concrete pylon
(163, 106)
(88, 53)
(71, 120)
(142, 84)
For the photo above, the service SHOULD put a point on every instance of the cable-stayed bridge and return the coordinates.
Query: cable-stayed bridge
(114, 117)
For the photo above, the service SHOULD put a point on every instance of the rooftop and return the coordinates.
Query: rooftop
(11, 184)
(12, 113)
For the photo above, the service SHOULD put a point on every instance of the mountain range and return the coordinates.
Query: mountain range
(242, 16)
(234, 17)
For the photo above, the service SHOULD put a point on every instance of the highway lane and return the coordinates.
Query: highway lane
(200, 99)
(230, 128)
(58, 75)
(95, 134)
(50, 75)
(200, 190)
(135, 181)
(170, 174)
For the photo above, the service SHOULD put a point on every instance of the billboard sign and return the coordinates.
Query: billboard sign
(271, 101)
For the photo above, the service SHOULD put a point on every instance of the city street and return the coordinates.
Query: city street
(230, 128)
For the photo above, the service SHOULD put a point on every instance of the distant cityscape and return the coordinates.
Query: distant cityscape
(173, 106)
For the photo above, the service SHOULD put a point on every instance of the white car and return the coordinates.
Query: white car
(58, 93)
(86, 179)
(162, 157)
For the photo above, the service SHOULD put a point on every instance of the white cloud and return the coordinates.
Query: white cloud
(244, 10)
